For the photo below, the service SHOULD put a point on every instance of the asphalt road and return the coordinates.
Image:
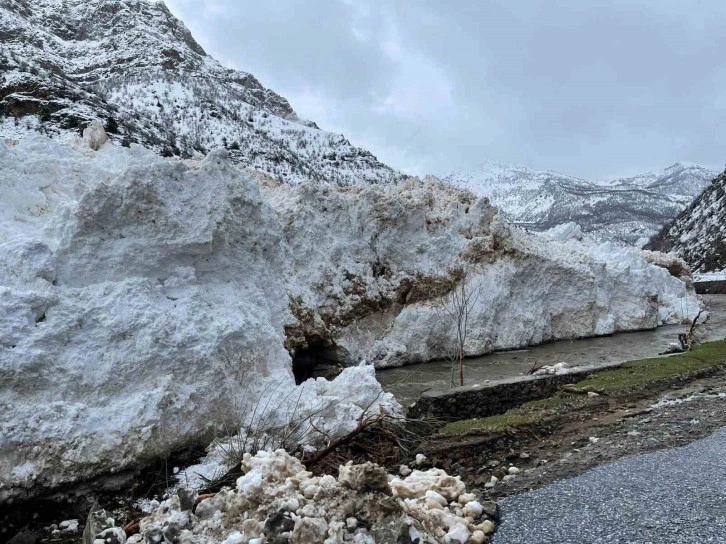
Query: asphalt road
(671, 496)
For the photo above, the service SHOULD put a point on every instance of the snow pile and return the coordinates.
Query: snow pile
(564, 232)
(316, 411)
(145, 303)
(373, 262)
(142, 306)
(277, 500)
(553, 370)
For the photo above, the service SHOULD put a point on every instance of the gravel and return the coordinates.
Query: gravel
(676, 495)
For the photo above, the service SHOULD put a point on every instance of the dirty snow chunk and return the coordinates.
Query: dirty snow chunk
(366, 475)
(234, 538)
(436, 497)
(556, 369)
(70, 526)
(458, 533)
(112, 535)
(420, 459)
(564, 232)
(244, 514)
(418, 482)
(474, 507)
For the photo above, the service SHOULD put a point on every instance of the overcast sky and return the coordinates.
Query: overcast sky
(590, 88)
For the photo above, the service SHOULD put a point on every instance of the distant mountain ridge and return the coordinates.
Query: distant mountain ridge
(135, 67)
(698, 233)
(626, 210)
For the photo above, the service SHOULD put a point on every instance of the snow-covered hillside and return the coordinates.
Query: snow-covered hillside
(625, 209)
(144, 301)
(698, 234)
(132, 65)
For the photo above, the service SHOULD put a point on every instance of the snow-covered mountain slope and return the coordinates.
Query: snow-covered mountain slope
(698, 234)
(625, 209)
(127, 280)
(132, 65)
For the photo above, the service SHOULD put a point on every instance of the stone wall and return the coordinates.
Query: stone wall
(717, 287)
(496, 397)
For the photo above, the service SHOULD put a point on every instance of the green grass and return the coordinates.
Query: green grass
(630, 376)
(529, 413)
(639, 374)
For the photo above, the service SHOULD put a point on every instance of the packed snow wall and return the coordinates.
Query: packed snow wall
(370, 266)
(145, 302)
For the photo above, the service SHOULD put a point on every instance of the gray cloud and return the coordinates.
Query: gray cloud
(594, 89)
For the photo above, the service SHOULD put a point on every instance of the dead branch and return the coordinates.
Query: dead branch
(363, 425)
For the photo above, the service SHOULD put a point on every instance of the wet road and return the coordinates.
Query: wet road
(676, 495)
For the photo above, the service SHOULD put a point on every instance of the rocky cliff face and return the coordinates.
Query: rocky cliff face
(132, 65)
(698, 233)
(626, 210)
(127, 280)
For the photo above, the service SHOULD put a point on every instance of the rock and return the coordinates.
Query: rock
(594, 439)
(509, 477)
(592, 394)
(524, 455)
(491, 509)
(276, 525)
(187, 498)
(94, 135)
(420, 459)
(513, 470)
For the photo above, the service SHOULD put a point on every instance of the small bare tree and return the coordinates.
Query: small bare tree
(458, 306)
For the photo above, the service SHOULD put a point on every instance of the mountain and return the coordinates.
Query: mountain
(135, 67)
(626, 209)
(698, 233)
